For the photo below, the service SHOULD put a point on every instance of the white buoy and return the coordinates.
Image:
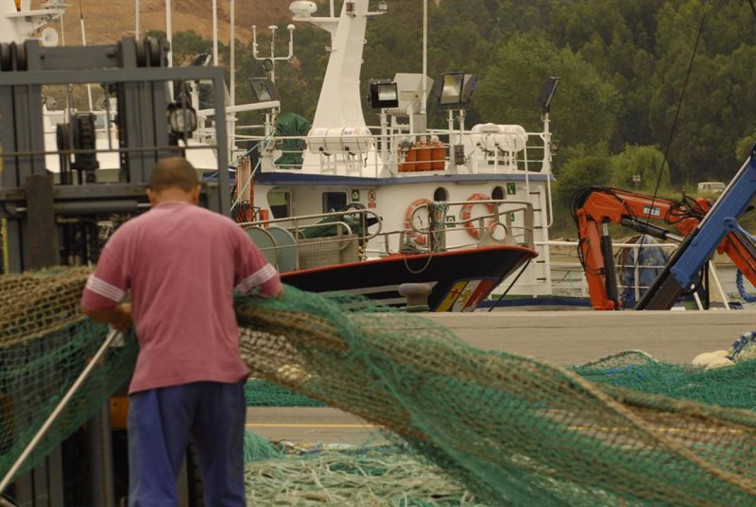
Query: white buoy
(703, 359)
(719, 363)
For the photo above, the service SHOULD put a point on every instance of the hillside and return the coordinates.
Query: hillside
(107, 21)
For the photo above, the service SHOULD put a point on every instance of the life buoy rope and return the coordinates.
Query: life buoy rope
(467, 208)
(418, 237)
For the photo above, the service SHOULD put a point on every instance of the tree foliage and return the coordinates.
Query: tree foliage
(626, 68)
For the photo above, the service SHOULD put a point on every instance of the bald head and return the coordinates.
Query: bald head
(173, 179)
(173, 172)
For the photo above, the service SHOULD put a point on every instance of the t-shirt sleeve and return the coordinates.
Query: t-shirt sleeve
(254, 274)
(107, 286)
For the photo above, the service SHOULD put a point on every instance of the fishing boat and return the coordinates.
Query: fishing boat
(338, 205)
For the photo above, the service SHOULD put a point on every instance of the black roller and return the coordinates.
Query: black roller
(141, 52)
(152, 45)
(6, 61)
(18, 53)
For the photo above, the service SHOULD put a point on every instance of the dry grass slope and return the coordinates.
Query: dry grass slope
(107, 21)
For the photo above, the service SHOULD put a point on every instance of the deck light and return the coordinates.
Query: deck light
(383, 6)
(547, 93)
(263, 89)
(384, 94)
(457, 89)
(182, 118)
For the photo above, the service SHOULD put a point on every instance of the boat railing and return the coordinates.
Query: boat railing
(403, 153)
(447, 225)
(310, 241)
(568, 278)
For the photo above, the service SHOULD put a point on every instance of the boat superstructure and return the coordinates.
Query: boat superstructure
(434, 189)
(18, 21)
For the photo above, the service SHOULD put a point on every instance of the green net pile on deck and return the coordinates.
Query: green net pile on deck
(508, 429)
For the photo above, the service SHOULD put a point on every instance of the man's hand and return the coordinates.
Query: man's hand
(119, 317)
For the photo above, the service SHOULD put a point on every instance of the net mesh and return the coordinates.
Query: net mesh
(363, 477)
(45, 343)
(508, 429)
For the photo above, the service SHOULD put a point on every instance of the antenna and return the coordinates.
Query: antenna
(269, 62)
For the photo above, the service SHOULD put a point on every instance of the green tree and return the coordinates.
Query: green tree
(584, 109)
(583, 168)
(646, 162)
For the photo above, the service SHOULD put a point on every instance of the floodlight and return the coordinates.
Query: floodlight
(384, 94)
(263, 89)
(182, 118)
(457, 89)
(547, 93)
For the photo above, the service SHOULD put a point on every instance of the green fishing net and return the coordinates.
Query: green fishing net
(507, 429)
(45, 344)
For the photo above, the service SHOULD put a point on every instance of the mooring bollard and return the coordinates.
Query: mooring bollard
(417, 296)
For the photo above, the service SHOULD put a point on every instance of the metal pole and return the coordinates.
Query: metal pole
(233, 54)
(84, 43)
(232, 81)
(722, 293)
(215, 33)
(273, 29)
(169, 32)
(136, 26)
(425, 58)
(112, 335)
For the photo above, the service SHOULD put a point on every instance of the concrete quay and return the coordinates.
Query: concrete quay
(575, 337)
(557, 337)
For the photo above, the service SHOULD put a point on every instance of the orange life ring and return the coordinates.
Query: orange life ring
(465, 213)
(418, 237)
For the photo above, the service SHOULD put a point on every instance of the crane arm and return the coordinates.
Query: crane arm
(719, 225)
(593, 208)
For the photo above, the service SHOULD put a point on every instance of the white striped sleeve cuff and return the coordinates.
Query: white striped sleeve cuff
(105, 289)
(256, 279)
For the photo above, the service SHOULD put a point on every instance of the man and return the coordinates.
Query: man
(181, 264)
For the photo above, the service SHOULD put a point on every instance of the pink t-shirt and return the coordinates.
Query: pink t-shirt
(181, 263)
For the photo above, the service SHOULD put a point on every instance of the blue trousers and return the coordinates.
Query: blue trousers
(160, 423)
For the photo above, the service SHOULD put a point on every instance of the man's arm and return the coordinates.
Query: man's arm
(106, 288)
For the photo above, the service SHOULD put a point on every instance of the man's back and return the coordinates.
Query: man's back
(181, 263)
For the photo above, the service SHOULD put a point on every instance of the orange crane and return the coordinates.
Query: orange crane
(594, 208)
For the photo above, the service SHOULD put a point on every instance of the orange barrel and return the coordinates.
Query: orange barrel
(263, 216)
(438, 157)
(409, 162)
(424, 154)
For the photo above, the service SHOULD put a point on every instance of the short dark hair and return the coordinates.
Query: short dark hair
(173, 172)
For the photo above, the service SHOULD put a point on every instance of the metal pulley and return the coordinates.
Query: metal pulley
(151, 52)
(13, 57)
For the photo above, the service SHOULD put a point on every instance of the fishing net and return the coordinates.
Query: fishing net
(375, 477)
(507, 429)
(45, 343)
(733, 386)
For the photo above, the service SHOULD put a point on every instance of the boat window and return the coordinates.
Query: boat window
(334, 201)
(498, 193)
(440, 194)
(280, 203)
